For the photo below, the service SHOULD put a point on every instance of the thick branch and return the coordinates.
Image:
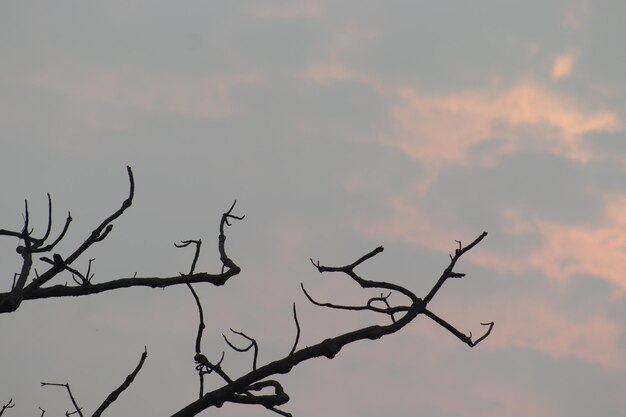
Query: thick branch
(152, 282)
(328, 348)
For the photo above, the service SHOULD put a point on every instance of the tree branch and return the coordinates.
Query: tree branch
(11, 301)
(69, 391)
(448, 273)
(116, 393)
(9, 404)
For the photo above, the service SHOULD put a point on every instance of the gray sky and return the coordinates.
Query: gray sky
(338, 126)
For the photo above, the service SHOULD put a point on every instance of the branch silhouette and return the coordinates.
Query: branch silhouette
(260, 385)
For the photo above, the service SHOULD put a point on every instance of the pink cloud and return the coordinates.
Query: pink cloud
(477, 127)
(562, 65)
(532, 323)
(597, 249)
(444, 129)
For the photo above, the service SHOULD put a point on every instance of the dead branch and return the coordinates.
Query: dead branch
(20, 292)
(258, 386)
(77, 409)
(448, 273)
(238, 390)
(253, 345)
(116, 393)
(9, 404)
(295, 319)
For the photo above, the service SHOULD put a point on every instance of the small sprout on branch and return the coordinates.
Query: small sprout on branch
(295, 319)
(9, 404)
(77, 409)
(184, 244)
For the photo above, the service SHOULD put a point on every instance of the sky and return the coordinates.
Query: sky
(338, 127)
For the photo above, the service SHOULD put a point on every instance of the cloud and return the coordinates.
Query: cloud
(575, 16)
(327, 73)
(476, 127)
(597, 249)
(562, 65)
(288, 9)
(560, 251)
(537, 325)
(201, 97)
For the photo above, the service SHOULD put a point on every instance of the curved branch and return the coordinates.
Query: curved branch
(253, 344)
(69, 391)
(295, 318)
(9, 404)
(389, 310)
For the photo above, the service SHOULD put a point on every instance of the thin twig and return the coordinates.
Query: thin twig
(9, 404)
(69, 391)
(253, 344)
(295, 319)
(116, 393)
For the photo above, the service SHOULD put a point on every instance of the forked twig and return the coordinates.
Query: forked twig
(252, 344)
(77, 409)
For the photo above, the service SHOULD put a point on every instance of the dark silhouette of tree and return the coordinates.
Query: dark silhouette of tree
(258, 386)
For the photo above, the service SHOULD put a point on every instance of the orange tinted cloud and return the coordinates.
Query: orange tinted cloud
(562, 65)
(598, 249)
(535, 324)
(444, 129)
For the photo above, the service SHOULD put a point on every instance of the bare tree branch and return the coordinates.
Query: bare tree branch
(77, 409)
(295, 319)
(231, 391)
(9, 404)
(35, 290)
(448, 273)
(256, 387)
(129, 380)
(253, 344)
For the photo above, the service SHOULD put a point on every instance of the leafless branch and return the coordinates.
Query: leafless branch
(253, 344)
(77, 409)
(36, 290)
(330, 347)
(464, 338)
(295, 319)
(185, 243)
(388, 310)
(9, 404)
(129, 380)
(448, 273)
